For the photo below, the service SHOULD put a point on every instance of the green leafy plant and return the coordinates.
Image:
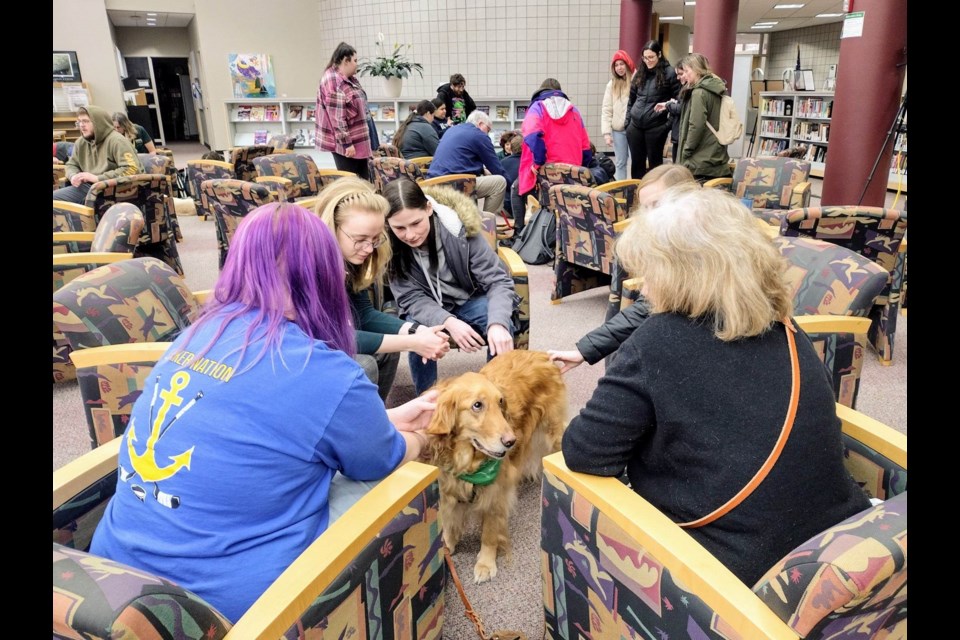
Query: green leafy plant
(396, 65)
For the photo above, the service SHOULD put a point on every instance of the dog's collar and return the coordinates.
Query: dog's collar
(485, 474)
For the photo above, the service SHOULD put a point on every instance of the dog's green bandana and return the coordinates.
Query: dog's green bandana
(486, 474)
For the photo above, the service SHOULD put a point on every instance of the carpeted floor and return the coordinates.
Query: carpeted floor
(513, 599)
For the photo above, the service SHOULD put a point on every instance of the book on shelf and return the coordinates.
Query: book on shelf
(294, 112)
(271, 113)
(388, 112)
(374, 110)
(484, 107)
(305, 137)
(387, 135)
(502, 112)
(243, 112)
(260, 136)
(257, 113)
(521, 112)
(310, 113)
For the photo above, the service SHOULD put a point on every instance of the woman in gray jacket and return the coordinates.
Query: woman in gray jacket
(416, 137)
(647, 130)
(444, 272)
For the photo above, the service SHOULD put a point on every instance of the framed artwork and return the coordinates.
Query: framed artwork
(252, 75)
(808, 83)
(65, 67)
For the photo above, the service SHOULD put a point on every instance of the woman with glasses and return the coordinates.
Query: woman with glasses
(445, 274)
(355, 214)
(647, 129)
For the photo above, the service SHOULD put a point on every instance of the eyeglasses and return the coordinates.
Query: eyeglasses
(81, 123)
(359, 244)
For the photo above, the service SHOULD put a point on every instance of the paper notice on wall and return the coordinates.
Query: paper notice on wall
(77, 96)
(852, 25)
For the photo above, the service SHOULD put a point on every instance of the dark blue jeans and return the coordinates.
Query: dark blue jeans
(474, 313)
(73, 194)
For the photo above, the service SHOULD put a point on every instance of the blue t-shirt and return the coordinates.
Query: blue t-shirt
(224, 473)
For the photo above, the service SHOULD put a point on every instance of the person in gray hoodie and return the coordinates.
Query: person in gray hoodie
(416, 137)
(700, 151)
(444, 272)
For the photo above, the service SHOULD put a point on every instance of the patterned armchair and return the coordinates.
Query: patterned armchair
(230, 200)
(150, 194)
(874, 233)
(378, 571)
(625, 191)
(242, 160)
(773, 184)
(200, 170)
(585, 237)
(293, 175)
(465, 183)
(162, 165)
(59, 176)
(423, 162)
(282, 142)
(613, 566)
(70, 217)
(387, 150)
(554, 173)
(329, 175)
(387, 169)
(138, 300)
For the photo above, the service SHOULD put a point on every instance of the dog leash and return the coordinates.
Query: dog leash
(472, 615)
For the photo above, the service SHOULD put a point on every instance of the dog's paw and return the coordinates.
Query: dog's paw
(483, 571)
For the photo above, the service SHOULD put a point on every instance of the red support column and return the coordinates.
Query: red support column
(865, 105)
(715, 35)
(635, 16)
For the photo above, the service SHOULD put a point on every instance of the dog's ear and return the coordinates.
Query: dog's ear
(445, 415)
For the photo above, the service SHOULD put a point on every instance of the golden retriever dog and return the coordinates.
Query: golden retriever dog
(503, 419)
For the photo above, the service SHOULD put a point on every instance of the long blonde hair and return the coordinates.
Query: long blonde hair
(129, 130)
(701, 253)
(335, 202)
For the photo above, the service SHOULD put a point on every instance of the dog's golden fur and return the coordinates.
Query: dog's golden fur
(514, 409)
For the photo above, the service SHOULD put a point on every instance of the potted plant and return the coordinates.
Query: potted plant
(392, 68)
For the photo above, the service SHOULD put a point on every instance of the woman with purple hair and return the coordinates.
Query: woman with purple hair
(227, 463)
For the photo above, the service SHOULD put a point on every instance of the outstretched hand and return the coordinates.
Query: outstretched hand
(567, 359)
(414, 415)
(463, 334)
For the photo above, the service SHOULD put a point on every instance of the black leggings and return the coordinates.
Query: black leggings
(354, 165)
(646, 146)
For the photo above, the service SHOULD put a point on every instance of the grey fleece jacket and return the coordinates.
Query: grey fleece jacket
(469, 256)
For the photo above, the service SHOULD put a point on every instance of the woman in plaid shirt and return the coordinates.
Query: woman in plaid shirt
(342, 113)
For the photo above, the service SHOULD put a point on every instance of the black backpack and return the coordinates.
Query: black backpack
(538, 239)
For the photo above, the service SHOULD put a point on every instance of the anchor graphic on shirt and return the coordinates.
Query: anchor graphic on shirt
(145, 464)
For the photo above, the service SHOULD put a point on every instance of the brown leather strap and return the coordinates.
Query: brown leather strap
(473, 615)
(778, 447)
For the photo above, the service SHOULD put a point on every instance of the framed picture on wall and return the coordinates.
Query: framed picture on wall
(65, 67)
(808, 83)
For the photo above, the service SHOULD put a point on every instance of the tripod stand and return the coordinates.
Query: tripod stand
(895, 128)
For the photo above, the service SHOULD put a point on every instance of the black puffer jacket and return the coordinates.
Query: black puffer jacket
(644, 96)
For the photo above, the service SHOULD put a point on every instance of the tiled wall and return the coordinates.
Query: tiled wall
(819, 48)
(503, 48)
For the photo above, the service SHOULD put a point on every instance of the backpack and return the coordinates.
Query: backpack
(731, 128)
(538, 239)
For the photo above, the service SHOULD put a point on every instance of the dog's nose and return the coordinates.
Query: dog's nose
(508, 441)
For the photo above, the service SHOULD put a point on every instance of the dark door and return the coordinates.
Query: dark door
(167, 73)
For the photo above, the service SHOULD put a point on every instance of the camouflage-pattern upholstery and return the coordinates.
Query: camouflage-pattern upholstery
(584, 249)
(846, 583)
(554, 173)
(67, 218)
(770, 182)
(462, 182)
(299, 168)
(109, 392)
(99, 598)
(329, 175)
(162, 165)
(59, 176)
(139, 300)
(625, 190)
(393, 587)
(874, 233)
(282, 142)
(830, 280)
(387, 169)
(242, 160)
(200, 170)
(230, 200)
(150, 193)
(387, 150)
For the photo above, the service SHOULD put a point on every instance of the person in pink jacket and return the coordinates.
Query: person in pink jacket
(552, 131)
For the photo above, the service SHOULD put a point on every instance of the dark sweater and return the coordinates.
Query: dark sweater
(692, 419)
(371, 324)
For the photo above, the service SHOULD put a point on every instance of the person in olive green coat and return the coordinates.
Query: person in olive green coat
(700, 151)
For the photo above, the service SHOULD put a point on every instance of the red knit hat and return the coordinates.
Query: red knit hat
(623, 55)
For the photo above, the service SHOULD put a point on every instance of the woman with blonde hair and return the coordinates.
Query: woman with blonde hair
(699, 149)
(613, 112)
(356, 215)
(134, 133)
(713, 382)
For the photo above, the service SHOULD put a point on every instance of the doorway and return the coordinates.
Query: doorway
(174, 99)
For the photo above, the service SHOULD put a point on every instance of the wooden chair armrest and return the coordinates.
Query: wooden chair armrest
(903, 246)
(451, 177)
(75, 208)
(73, 236)
(883, 439)
(620, 226)
(277, 180)
(802, 187)
(95, 257)
(617, 184)
(515, 265)
(687, 561)
(78, 474)
(307, 203)
(202, 295)
(833, 324)
(217, 163)
(117, 353)
(316, 568)
(716, 183)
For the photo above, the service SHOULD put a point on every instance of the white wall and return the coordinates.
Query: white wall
(83, 26)
(137, 42)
